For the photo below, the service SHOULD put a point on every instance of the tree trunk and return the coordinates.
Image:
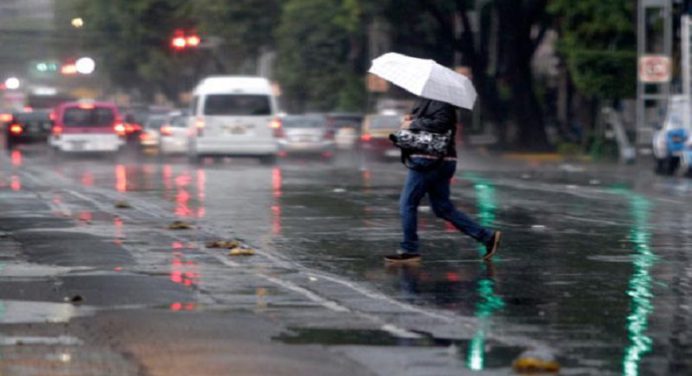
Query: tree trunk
(517, 48)
(527, 114)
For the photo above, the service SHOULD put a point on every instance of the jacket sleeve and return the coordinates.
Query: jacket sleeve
(438, 118)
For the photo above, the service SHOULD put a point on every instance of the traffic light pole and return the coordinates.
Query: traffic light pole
(685, 46)
(652, 92)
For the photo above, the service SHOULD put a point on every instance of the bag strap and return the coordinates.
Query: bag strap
(406, 158)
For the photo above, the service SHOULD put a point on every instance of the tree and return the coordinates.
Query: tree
(320, 52)
(501, 65)
(598, 44)
(598, 41)
(132, 39)
(244, 30)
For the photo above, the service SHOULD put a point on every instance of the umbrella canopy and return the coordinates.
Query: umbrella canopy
(425, 78)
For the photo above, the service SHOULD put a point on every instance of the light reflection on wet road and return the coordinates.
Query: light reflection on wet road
(588, 264)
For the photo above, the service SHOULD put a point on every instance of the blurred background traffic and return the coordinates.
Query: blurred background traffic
(546, 73)
(596, 80)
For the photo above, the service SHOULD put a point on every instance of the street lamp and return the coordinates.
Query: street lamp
(77, 22)
(85, 65)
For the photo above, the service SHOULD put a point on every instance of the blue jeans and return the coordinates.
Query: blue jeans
(435, 183)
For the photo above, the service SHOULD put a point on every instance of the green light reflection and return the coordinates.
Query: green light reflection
(488, 302)
(640, 284)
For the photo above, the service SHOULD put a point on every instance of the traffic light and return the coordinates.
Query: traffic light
(46, 66)
(182, 40)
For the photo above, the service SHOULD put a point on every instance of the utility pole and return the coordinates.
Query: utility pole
(654, 64)
(685, 55)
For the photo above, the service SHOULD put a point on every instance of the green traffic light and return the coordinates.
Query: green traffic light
(44, 67)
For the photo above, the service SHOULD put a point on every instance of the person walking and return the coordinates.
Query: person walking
(429, 175)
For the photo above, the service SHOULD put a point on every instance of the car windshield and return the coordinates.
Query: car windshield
(303, 122)
(235, 104)
(178, 121)
(385, 122)
(37, 119)
(155, 122)
(88, 117)
(346, 122)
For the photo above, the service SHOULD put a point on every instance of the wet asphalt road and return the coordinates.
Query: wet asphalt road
(595, 263)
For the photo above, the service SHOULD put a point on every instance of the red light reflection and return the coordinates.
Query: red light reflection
(277, 186)
(88, 179)
(366, 176)
(453, 277)
(276, 219)
(180, 306)
(85, 216)
(201, 184)
(183, 272)
(16, 184)
(120, 178)
(182, 196)
(118, 223)
(16, 157)
(277, 182)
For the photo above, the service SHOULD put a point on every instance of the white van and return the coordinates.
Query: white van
(233, 116)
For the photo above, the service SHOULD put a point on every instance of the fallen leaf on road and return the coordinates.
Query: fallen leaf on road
(179, 225)
(536, 362)
(123, 205)
(241, 251)
(224, 244)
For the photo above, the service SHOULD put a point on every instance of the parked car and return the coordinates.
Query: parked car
(671, 140)
(82, 127)
(374, 139)
(347, 128)
(305, 134)
(233, 116)
(27, 127)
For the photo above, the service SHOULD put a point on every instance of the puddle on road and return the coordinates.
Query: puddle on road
(36, 270)
(23, 312)
(495, 356)
(47, 341)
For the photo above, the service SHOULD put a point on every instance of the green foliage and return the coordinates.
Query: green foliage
(569, 149)
(131, 39)
(244, 27)
(598, 42)
(604, 74)
(316, 40)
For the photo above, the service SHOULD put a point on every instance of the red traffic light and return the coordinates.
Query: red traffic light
(182, 40)
(193, 40)
(178, 43)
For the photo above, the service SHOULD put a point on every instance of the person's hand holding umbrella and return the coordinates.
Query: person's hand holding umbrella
(406, 123)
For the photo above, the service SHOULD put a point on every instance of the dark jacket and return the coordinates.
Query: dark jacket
(437, 117)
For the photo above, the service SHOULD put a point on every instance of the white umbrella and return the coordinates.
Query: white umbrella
(425, 78)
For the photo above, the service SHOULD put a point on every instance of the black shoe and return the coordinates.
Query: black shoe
(492, 245)
(403, 258)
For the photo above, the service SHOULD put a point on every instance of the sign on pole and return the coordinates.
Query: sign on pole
(654, 69)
